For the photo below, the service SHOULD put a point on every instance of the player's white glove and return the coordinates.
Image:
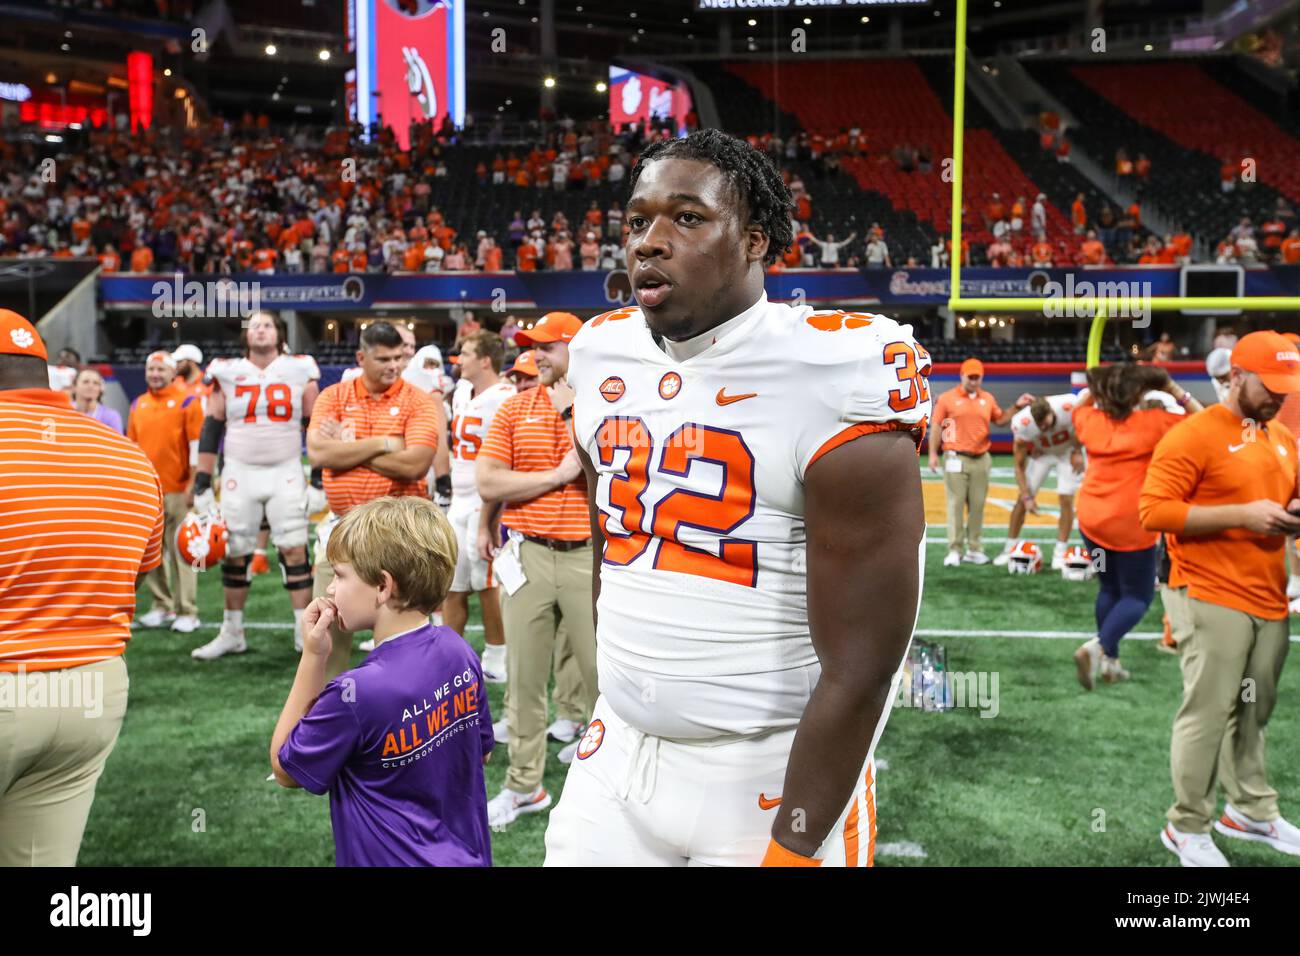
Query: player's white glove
(205, 502)
(316, 501)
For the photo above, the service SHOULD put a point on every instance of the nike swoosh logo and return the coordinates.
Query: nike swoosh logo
(529, 421)
(724, 399)
(764, 803)
(1236, 448)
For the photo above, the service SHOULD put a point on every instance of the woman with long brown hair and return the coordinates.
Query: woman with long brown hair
(1119, 432)
(87, 392)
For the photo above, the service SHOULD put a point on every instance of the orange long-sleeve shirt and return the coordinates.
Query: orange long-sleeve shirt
(163, 423)
(1214, 458)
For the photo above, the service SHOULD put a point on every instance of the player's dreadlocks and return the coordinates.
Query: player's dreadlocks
(750, 172)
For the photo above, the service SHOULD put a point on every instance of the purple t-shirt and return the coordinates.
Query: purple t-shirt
(398, 743)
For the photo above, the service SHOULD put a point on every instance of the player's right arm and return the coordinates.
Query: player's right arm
(1020, 458)
(597, 536)
(336, 453)
(498, 482)
(214, 427)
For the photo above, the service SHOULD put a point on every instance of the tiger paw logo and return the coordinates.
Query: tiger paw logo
(591, 740)
(612, 388)
(834, 321)
(669, 386)
(22, 338)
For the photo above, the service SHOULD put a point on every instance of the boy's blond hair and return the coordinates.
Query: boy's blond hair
(408, 537)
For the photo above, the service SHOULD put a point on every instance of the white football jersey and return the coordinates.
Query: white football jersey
(471, 418)
(1057, 440)
(703, 618)
(264, 406)
(61, 377)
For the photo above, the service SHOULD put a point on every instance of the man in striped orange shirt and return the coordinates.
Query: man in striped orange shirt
(528, 462)
(81, 519)
(375, 436)
(166, 422)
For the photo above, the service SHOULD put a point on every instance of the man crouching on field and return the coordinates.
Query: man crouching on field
(399, 742)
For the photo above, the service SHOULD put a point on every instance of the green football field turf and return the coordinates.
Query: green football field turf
(1057, 777)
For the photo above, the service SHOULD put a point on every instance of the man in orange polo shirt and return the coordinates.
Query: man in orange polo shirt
(68, 487)
(1222, 487)
(528, 463)
(374, 436)
(166, 422)
(962, 416)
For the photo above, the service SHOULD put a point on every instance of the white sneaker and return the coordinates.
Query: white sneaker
(507, 806)
(501, 731)
(1058, 555)
(1278, 834)
(1002, 559)
(1112, 672)
(1087, 659)
(156, 618)
(565, 756)
(952, 560)
(226, 642)
(494, 664)
(297, 639)
(1294, 606)
(975, 557)
(367, 646)
(563, 730)
(186, 624)
(1192, 849)
(1293, 586)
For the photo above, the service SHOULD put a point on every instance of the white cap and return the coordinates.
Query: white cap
(191, 352)
(1165, 399)
(1218, 362)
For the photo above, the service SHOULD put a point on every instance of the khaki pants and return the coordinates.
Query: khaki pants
(967, 488)
(51, 757)
(174, 584)
(1231, 663)
(558, 587)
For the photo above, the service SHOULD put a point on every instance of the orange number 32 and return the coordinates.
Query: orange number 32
(913, 371)
(722, 513)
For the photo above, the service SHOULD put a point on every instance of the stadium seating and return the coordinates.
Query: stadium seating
(1184, 181)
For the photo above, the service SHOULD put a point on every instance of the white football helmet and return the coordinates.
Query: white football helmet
(1078, 564)
(1026, 558)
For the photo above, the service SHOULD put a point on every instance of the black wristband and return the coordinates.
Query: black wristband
(210, 436)
(202, 482)
(318, 478)
(567, 413)
(442, 485)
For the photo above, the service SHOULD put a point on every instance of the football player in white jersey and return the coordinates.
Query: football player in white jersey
(1043, 441)
(753, 477)
(476, 400)
(261, 403)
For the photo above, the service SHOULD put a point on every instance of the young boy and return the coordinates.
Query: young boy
(399, 743)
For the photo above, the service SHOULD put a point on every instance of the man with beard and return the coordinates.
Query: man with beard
(1222, 487)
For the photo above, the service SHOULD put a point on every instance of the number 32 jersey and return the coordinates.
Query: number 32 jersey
(264, 406)
(703, 619)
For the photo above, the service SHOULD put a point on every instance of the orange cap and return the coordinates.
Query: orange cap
(525, 364)
(1271, 356)
(972, 366)
(552, 327)
(19, 337)
(164, 358)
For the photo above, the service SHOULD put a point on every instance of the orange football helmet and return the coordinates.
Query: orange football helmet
(201, 540)
(1026, 558)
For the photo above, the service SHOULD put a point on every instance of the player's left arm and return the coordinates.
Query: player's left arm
(421, 436)
(865, 522)
(597, 536)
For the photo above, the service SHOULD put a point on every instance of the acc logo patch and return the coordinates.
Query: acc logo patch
(670, 385)
(612, 388)
(591, 740)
